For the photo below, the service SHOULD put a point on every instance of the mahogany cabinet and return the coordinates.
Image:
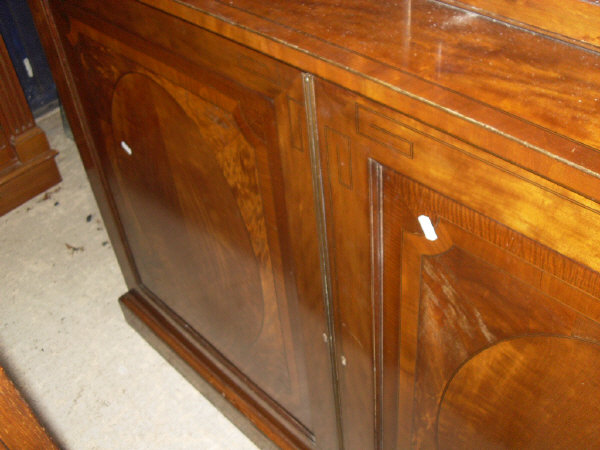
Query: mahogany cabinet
(366, 224)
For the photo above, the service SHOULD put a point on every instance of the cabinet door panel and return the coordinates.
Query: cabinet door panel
(195, 250)
(490, 351)
(485, 336)
(201, 169)
(199, 215)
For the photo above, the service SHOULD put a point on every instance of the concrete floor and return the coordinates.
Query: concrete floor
(93, 381)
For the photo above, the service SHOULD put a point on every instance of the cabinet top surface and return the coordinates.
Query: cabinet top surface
(449, 56)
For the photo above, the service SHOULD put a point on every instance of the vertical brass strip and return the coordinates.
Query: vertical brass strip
(376, 218)
(319, 196)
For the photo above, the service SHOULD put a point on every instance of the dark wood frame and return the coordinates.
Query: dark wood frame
(27, 165)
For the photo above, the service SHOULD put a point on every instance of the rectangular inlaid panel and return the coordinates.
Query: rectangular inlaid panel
(504, 254)
(384, 130)
(491, 328)
(191, 154)
(297, 125)
(340, 155)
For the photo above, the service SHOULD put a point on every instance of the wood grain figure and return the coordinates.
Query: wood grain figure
(369, 225)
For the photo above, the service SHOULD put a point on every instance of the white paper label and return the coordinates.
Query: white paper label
(427, 228)
(126, 147)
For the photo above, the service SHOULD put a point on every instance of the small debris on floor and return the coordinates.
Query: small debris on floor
(105, 243)
(73, 249)
(48, 195)
(88, 218)
(56, 203)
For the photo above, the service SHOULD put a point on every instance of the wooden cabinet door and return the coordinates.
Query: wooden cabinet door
(202, 147)
(482, 333)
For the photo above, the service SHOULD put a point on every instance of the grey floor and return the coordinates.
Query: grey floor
(95, 383)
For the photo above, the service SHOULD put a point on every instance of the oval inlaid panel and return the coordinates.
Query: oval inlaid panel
(181, 215)
(529, 392)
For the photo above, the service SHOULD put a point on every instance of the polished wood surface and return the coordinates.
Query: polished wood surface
(19, 428)
(27, 164)
(267, 203)
(429, 314)
(539, 92)
(480, 328)
(573, 20)
(483, 404)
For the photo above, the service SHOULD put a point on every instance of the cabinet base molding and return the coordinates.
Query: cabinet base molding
(205, 370)
(27, 181)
